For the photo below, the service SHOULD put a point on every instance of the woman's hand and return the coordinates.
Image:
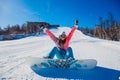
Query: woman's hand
(76, 23)
(44, 29)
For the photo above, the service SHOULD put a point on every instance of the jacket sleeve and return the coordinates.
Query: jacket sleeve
(69, 37)
(51, 35)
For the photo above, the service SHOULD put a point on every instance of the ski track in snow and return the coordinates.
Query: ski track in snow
(13, 53)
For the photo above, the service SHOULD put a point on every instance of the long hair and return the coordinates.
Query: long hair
(62, 42)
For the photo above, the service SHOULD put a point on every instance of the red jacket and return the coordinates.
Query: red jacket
(56, 40)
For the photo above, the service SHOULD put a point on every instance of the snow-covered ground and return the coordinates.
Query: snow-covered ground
(13, 53)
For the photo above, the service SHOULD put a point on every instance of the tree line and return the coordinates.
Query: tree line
(106, 29)
(29, 28)
(15, 29)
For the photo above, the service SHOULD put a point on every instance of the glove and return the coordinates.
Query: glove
(44, 30)
(42, 27)
(76, 23)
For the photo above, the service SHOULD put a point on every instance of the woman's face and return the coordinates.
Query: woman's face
(63, 37)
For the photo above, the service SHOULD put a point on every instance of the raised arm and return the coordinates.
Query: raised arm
(51, 35)
(71, 33)
(69, 37)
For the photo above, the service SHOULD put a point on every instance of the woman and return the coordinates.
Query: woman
(62, 49)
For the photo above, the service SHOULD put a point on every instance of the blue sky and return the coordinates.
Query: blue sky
(62, 12)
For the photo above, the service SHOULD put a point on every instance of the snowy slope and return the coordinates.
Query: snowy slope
(13, 53)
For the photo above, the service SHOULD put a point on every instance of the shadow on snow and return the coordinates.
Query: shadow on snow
(98, 73)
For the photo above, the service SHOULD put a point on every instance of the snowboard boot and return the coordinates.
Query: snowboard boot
(47, 57)
(70, 59)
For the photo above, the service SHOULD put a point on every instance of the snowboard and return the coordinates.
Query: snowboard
(61, 63)
(89, 72)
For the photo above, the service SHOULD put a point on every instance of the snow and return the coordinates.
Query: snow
(13, 53)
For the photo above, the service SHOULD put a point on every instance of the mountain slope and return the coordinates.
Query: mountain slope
(13, 53)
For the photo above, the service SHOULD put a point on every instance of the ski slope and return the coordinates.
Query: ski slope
(13, 53)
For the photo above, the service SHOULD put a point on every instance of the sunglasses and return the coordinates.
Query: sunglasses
(63, 36)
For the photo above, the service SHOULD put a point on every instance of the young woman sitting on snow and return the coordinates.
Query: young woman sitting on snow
(62, 49)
